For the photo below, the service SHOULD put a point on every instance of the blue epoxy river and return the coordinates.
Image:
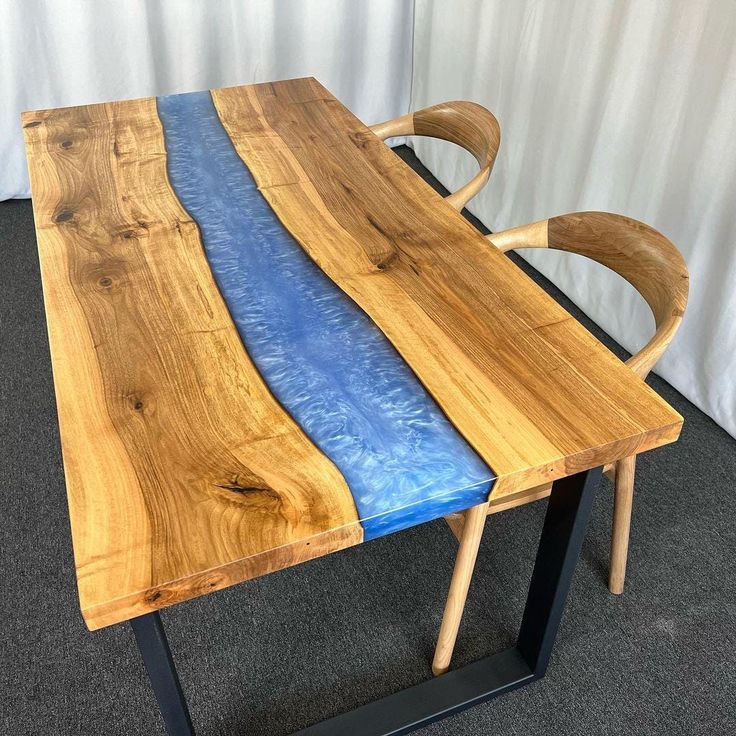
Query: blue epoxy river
(330, 367)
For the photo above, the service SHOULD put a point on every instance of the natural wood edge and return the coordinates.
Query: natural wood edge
(209, 581)
(521, 481)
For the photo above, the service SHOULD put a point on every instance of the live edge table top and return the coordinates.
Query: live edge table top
(272, 340)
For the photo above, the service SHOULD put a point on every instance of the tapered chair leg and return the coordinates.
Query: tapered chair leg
(472, 531)
(622, 504)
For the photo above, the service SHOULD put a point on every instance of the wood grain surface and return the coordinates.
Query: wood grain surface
(657, 270)
(531, 390)
(653, 266)
(466, 124)
(633, 249)
(183, 473)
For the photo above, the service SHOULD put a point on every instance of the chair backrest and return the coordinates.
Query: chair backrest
(465, 123)
(637, 252)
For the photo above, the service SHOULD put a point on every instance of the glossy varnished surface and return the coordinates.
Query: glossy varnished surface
(185, 473)
(529, 388)
(324, 360)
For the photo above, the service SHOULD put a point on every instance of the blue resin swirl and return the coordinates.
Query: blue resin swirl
(322, 357)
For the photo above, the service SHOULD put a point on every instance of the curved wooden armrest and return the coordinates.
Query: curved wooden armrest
(465, 123)
(637, 252)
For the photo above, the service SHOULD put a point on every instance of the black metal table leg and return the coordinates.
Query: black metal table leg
(559, 548)
(151, 637)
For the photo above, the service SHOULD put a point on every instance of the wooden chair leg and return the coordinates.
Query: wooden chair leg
(622, 503)
(455, 522)
(464, 563)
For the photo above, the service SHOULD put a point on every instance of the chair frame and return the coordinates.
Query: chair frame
(656, 269)
(466, 124)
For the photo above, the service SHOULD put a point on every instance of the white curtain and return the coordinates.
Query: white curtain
(620, 105)
(69, 52)
(624, 106)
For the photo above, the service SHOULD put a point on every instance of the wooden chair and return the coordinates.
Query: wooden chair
(465, 123)
(653, 266)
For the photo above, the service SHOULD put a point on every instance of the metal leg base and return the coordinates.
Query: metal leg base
(154, 648)
(559, 548)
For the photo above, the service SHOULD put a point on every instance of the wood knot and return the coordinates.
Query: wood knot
(63, 216)
(247, 483)
(385, 263)
(105, 281)
(134, 230)
(213, 580)
(182, 226)
(136, 403)
(66, 144)
(241, 488)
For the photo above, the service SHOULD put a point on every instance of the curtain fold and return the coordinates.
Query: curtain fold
(605, 105)
(619, 105)
(55, 54)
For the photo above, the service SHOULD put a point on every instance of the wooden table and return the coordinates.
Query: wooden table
(271, 340)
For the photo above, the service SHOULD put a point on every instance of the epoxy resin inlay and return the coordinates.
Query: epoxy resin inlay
(327, 363)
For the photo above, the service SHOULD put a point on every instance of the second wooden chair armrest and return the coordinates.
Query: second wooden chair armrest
(655, 268)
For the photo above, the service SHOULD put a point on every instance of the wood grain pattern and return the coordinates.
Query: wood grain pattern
(657, 270)
(466, 124)
(633, 249)
(651, 264)
(184, 475)
(531, 390)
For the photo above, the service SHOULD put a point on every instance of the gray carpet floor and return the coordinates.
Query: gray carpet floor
(280, 652)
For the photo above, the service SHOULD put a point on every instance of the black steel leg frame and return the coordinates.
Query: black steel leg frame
(418, 706)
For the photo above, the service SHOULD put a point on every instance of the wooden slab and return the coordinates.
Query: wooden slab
(529, 388)
(184, 475)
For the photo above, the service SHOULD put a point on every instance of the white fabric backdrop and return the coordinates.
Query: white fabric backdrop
(622, 106)
(71, 52)
(604, 104)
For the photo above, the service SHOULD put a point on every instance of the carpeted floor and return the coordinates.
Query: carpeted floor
(278, 653)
